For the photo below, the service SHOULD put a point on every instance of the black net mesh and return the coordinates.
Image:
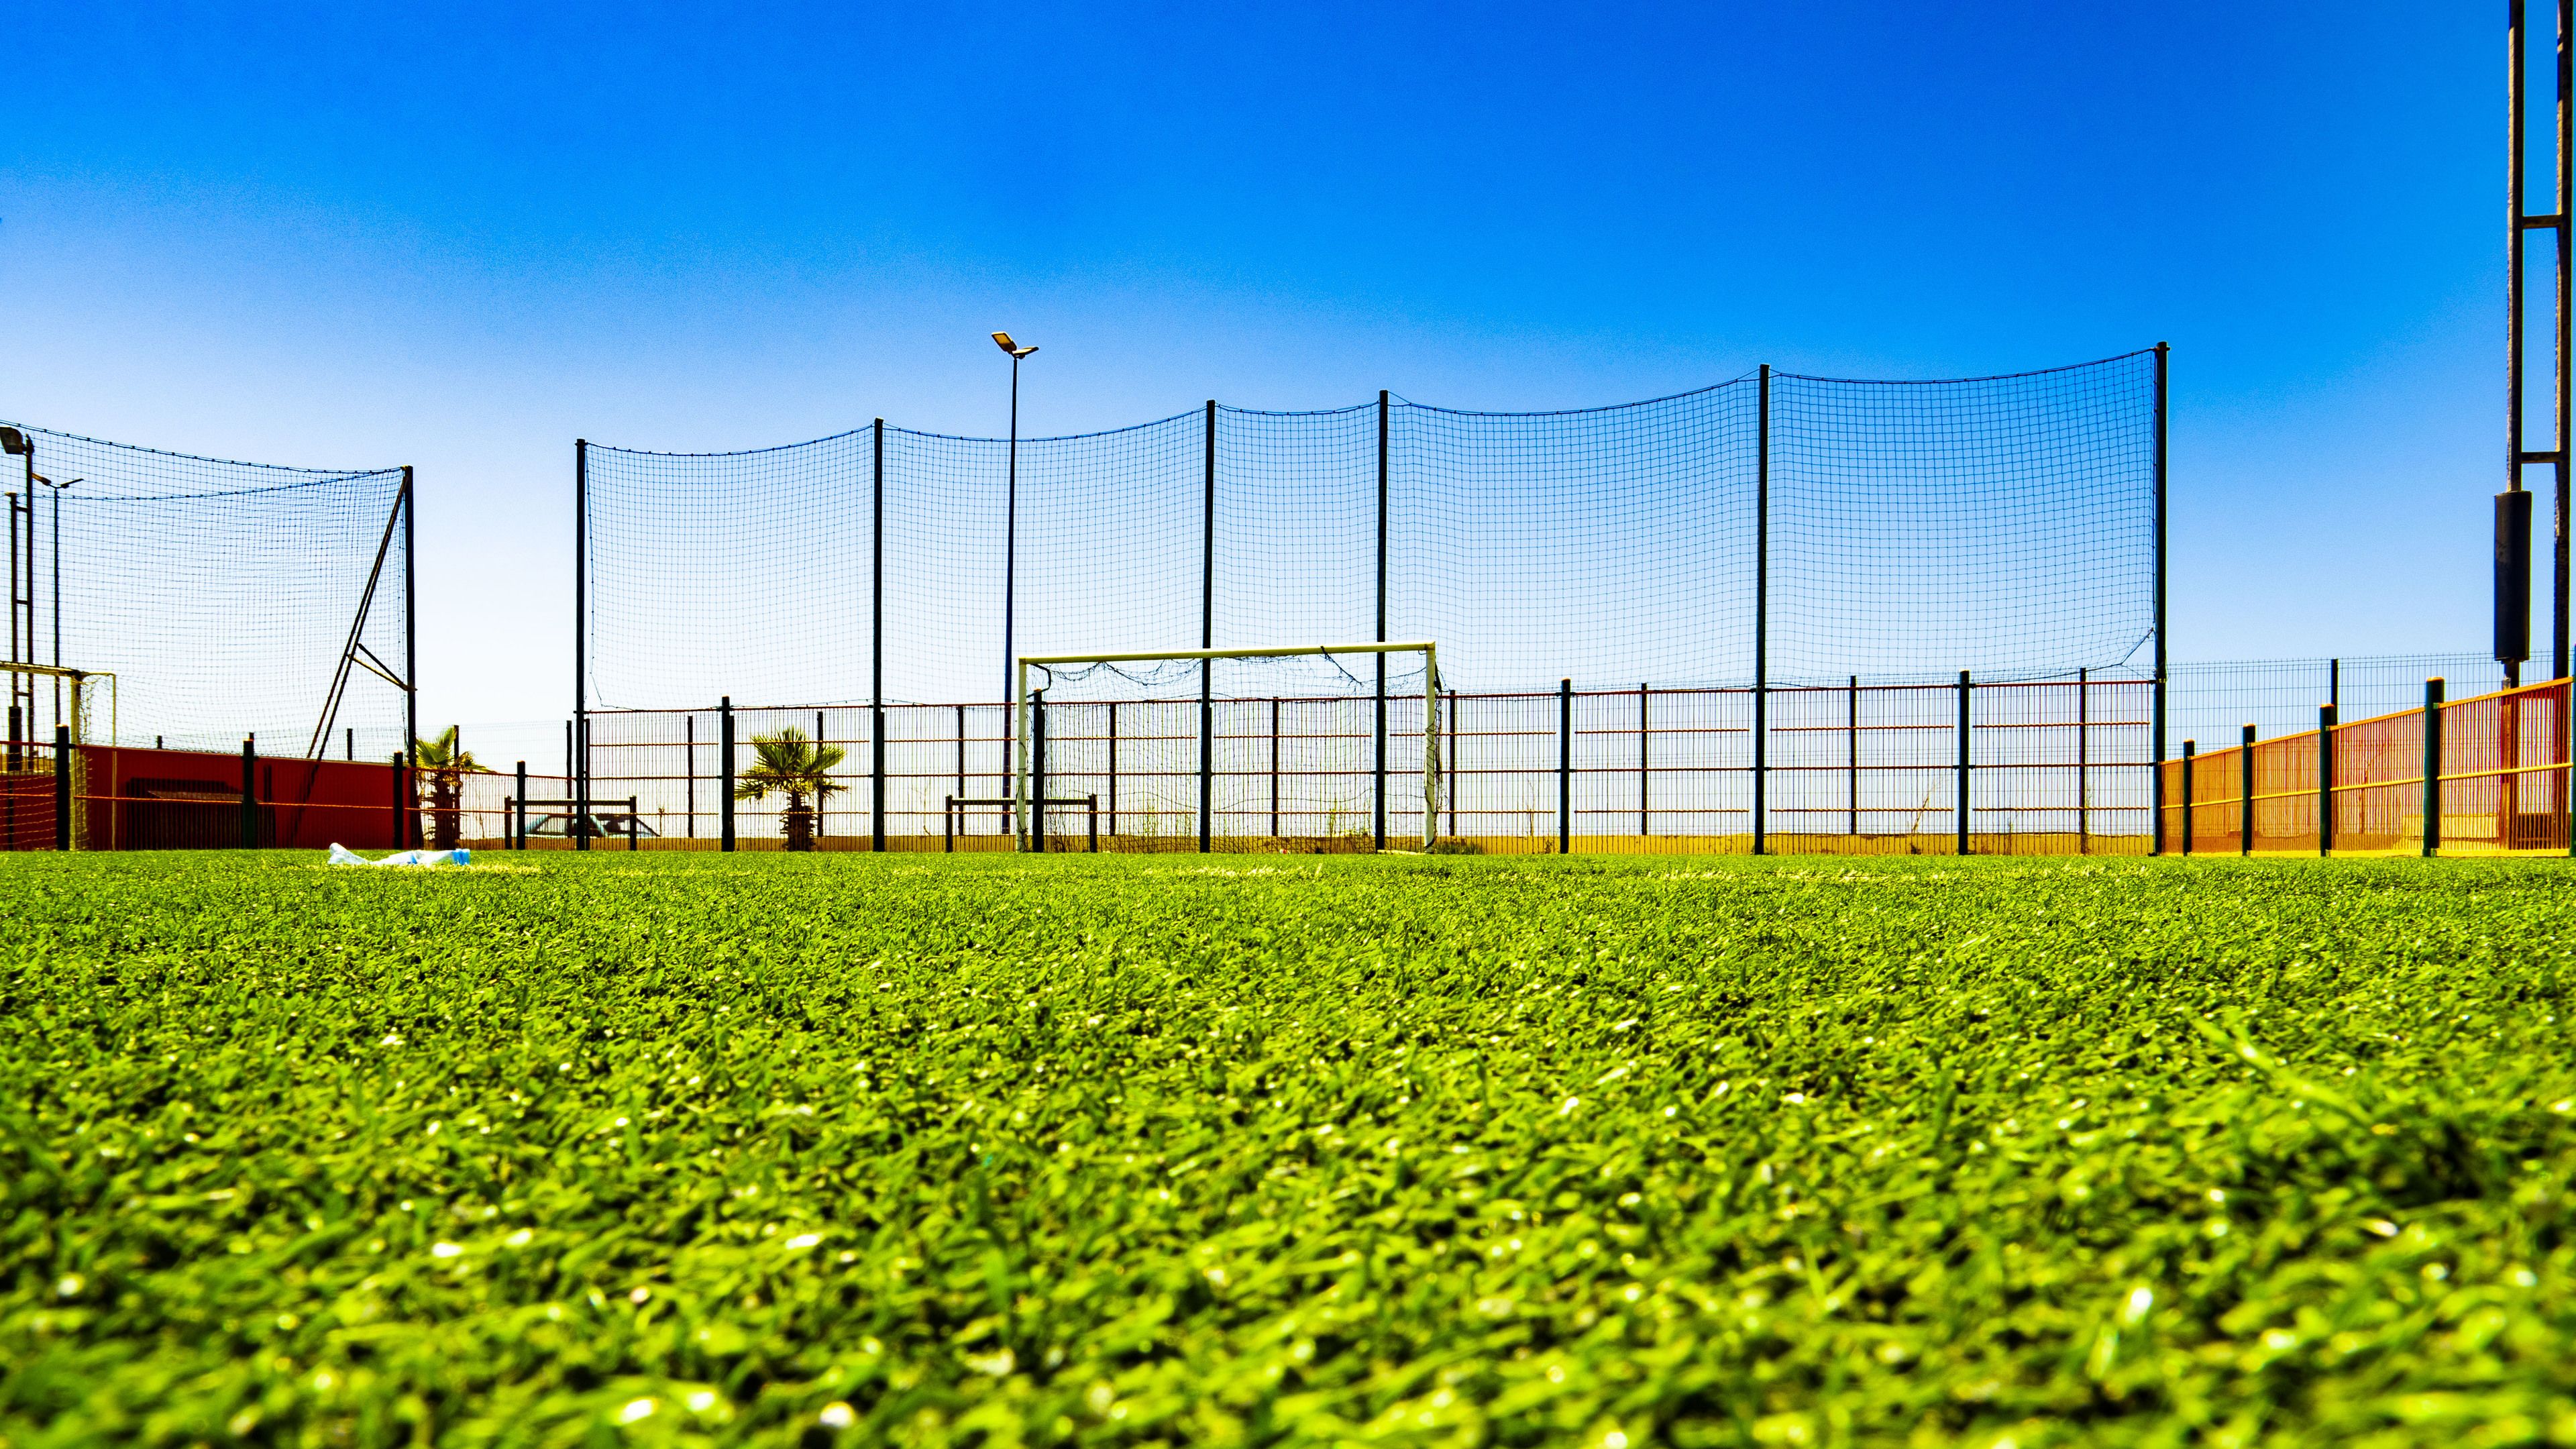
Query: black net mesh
(221, 594)
(2003, 525)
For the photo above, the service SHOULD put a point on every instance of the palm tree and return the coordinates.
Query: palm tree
(445, 764)
(794, 766)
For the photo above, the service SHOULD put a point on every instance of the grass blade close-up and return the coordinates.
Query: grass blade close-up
(1109, 1150)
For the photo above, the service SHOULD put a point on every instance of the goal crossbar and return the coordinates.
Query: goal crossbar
(1429, 650)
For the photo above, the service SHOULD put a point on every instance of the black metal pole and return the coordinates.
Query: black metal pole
(2245, 794)
(724, 769)
(1962, 821)
(63, 786)
(518, 826)
(1274, 768)
(249, 796)
(689, 733)
(1207, 635)
(2157, 744)
(2334, 683)
(1645, 776)
(876, 643)
(1038, 772)
(1378, 793)
(2325, 779)
(1113, 769)
(411, 652)
(2190, 752)
(1452, 772)
(2567, 318)
(1565, 767)
(577, 754)
(1762, 618)
(1010, 549)
(2433, 766)
(819, 796)
(2083, 758)
(1851, 742)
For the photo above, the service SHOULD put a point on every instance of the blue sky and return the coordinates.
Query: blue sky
(355, 235)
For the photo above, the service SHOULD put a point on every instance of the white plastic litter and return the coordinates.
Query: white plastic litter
(343, 855)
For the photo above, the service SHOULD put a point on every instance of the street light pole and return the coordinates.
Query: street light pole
(58, 491)
(1010, 530)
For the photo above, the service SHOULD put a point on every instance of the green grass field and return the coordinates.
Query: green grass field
(846, 1150)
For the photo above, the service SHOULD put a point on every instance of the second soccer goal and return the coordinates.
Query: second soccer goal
(1363, 675)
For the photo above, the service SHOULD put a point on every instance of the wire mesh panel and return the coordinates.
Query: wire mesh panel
(2379, 784)
(2004, 525)
(1608, 543)
(2504, 776)
(2213, 701)
(2285, 794)
(222, 595)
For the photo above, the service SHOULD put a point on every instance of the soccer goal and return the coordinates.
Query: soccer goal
(1376, 672)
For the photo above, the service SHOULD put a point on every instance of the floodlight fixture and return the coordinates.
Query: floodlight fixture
(1003, 341)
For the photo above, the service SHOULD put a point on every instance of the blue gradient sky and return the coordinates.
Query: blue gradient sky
(348, 235)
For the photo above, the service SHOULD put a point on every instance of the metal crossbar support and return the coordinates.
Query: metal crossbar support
(1019, 737)
(953, 810)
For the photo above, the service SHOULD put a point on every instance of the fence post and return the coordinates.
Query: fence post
(948, 824)
(634, 822)
(1113, 769)
(1762, 616)
(2433, 766)
(1645, 776)
(2083, 757)
(1851, 738)
(1207, 667)
(1274, 767)
(876, 643)
(250, 791)
(1038, 770)
(2245, 793)
(1378, 794)
(1964, 687)
(1451, 774)
(2325, 779)
(517, 824)
(2157, 730)
(577, 732)
(2190, 753)
(724, 769)
(63, 778)
(1565, 767)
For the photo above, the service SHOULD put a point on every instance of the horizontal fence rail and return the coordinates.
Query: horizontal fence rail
(2054, 768)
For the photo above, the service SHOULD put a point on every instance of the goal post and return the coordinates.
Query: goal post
(1047, 664)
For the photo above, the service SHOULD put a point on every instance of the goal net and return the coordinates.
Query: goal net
(1324, 746)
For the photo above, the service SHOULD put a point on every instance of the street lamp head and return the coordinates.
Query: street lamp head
(1001, 340)
(13, 442)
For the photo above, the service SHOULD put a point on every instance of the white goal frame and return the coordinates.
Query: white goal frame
(1429, 650)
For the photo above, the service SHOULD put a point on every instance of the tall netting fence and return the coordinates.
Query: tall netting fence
(227, 599)
(1611, 589)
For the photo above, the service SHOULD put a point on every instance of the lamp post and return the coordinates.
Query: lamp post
(1010, 527)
